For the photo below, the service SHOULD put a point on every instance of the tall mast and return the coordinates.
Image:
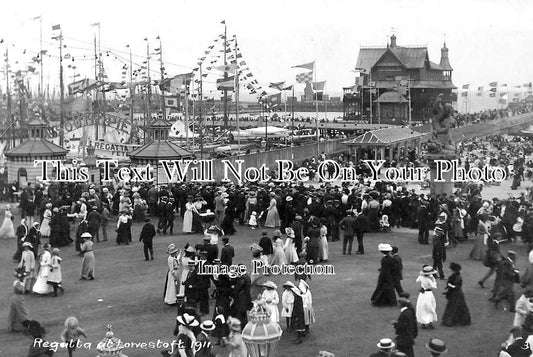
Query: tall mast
(132, 88)
(102, 79)
(200, 123)
(225, 76)
(9, 119)
(61, 85)
(237, 95)
(41, 88)
(162, 69)
(149, 81)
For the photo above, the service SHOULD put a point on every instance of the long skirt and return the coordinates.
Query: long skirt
(278, 258)
(187, 222)
(290, 254)
(41, 286)
(170, 289)
(45, 228)
(272, 218)
(426, 308)
(18, 313)
(7, 231)
(456, 312)
(87, 265)
(298, 315)
(479, 250)
(323, 252)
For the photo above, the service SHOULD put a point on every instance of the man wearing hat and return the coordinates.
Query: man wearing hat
(506, 276)
(185, 341)
(436, 347)
(297, 227)
(406, 327)
(347, 224)
(266, 243)
(203, 346)
(439, 251)
(162, 213)
(385, 346)
(147, 235)
(219, 208)
(424, 222)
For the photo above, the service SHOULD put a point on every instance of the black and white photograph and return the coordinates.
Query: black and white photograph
(266, 179)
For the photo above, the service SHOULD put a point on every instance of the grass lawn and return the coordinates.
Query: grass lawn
(347, 324)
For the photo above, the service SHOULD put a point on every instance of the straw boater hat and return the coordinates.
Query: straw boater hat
(86, 235)
(207, 325)
(187, 320)
(270, 284)
(386, 344)
(289, 232)
(436, 345)
(189, 249)
(27, 244)
(384, 247)
(427, 270)
(289, 284)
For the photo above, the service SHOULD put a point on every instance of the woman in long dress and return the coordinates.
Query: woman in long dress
(287, 302)
(323, 253)
(290, 249)
(307, 298)
(188, 216)
(271, 297)
(256, 277)
(18, 311)
(456, 312)
(41, 287)
(172, 274)
(426, 306)
(27, 262)
(45, 223)
(480, 247)
(124, 228)
(184, 268)
(88, 263)
(272, 218)
(278, 257)
(7, 231)
(385, 294)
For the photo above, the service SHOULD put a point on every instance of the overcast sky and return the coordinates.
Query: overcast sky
(489, 40)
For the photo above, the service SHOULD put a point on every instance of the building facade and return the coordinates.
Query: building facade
(396, 81)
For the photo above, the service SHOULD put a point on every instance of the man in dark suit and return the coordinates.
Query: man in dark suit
(406, 327)
(147, 235)
(227, 254)
(362, 225)
(347, 224)
(266, 244)
(94, 220)
(313, 243)
(424, 222)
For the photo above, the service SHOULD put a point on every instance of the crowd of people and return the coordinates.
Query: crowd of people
(304, 219)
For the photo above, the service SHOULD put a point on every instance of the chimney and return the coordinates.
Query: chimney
(393, 41)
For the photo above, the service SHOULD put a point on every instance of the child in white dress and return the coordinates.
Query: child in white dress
(253, 220)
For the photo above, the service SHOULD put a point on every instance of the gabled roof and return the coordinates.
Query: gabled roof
(411, 57)
(36, 148)
(433, 65)
(390, 135)
(160, 150)
(391, 97)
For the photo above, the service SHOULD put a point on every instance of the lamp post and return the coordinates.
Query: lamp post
(261, 335)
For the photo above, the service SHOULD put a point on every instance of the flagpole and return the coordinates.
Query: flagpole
(131, 88)
(225, 76)
(370, 92)
(409, 89)
(200, 120)
(187, 114)
(41, 52)
(237, 85)
(61, 91)
(162, 69)
(292, 110)
(316, 107)
(193, 112)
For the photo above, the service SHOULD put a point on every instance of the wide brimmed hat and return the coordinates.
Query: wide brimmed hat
(56, 251)
(86, 235)
(384, 247)
(207, 325)
(269, 284)
(288, 284)
(171, 249)
(277, 233)
(386, 344)
(234, 324)
(436, 345)
(187, 320)
(289, 232)
(428, 270)
(256, 248)
(189, 249)
(27, 244)
(288, 199)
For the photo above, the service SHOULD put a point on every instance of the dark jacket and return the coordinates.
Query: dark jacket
(227, 254)
(147, 233)
(406, 328)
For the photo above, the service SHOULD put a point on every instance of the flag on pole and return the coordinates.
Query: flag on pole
(228, 68)
(172, 101)
(319, 86)
(226, 83)
(288, 88)
(309, 66)
(305, 77)
(277, 85)
(223, 22)
(493, 84)
(36, 18)
(56, 27)
(466, 86)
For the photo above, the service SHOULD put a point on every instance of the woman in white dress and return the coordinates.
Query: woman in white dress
(287, 302)
(271, 297)
(27, 262)
(307, 299)
(188, 215)
(290, 249)
(278, 256)
(323, 253)
(184, 268)
(88, 263)
(272, 218)
(7, 231)
(41, 286)
(172, 274)
(45, 224)
(426, 306)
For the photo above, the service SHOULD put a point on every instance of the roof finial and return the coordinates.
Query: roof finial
(444, 39)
